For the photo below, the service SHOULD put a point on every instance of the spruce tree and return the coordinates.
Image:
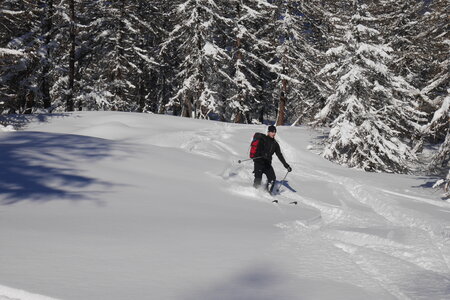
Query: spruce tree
(435, 89)
(250, 69)
(117, 46)
(294, 59)
(369, 110)
(193, 44)
(27, 29)
(437, 127)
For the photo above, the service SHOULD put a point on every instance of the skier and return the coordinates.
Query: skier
(263, 164)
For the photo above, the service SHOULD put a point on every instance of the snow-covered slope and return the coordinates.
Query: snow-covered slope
(105, 205)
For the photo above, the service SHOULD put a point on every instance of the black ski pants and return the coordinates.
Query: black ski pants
(264, 167)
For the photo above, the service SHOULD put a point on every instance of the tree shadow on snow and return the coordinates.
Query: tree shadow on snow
(39, 166)
(267, 282)
(20, 121)
(428, 183)
(256, 283)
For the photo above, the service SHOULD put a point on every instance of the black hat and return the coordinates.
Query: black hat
(272, 129)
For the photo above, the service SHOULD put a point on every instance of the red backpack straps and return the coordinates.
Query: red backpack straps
(255, 144)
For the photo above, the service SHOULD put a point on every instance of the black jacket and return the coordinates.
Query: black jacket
(268, 147)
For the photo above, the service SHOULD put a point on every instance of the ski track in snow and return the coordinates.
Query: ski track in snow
(416, 268)
(207, 142)
(362, 235)
(361, 230)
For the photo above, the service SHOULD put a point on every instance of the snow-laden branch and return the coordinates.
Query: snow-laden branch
(12, 52)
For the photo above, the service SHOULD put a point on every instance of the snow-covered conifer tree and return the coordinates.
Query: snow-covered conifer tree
(418, 33)
(250, 70)
(46, 51)
(116, 48)
(293, 59)
(72, 44)
(440, 126)
(154, 87)
(194, 44)
(435, 47)
(370, 108)
(10, 58)
(67, 23)
(400, 24)
(440, 162)
(27, 28)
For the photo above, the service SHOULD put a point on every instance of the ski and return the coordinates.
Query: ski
(292, 202)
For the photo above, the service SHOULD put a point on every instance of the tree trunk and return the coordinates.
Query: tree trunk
(199, 109)
(162, 86)
(261, 115)
(119, 92)
(29, 103)
(239, 117)
(141, 91)
(282, 104)
(47, 25)
(69, 102)
(187, 107)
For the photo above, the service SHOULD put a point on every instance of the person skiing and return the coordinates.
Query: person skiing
(263, 163)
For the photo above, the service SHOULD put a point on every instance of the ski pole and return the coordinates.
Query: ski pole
(240, 161)
(278, 190)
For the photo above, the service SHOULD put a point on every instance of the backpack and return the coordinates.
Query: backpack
(256, 144)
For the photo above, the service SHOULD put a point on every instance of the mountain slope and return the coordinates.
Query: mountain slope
(104, 205)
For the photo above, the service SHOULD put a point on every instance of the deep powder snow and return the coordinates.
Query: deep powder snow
(108, 205)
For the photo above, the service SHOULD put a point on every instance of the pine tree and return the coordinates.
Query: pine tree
(64, 87)
(420, 39)
(198, 54)
(370, 109)
(10, 56)
(25, 79)
(47, 28)
(154, 86)
(440, 126)
(9, 59)
(294, 57)
(72, 45)
(435, 49)
(118, 47)
(400, 27)
(250, 70)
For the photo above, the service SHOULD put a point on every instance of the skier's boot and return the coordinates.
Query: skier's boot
(272, 186)
(257, 183)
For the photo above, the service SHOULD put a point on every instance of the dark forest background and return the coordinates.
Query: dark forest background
(376, 73)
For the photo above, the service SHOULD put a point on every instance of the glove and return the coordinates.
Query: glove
(288, 167)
